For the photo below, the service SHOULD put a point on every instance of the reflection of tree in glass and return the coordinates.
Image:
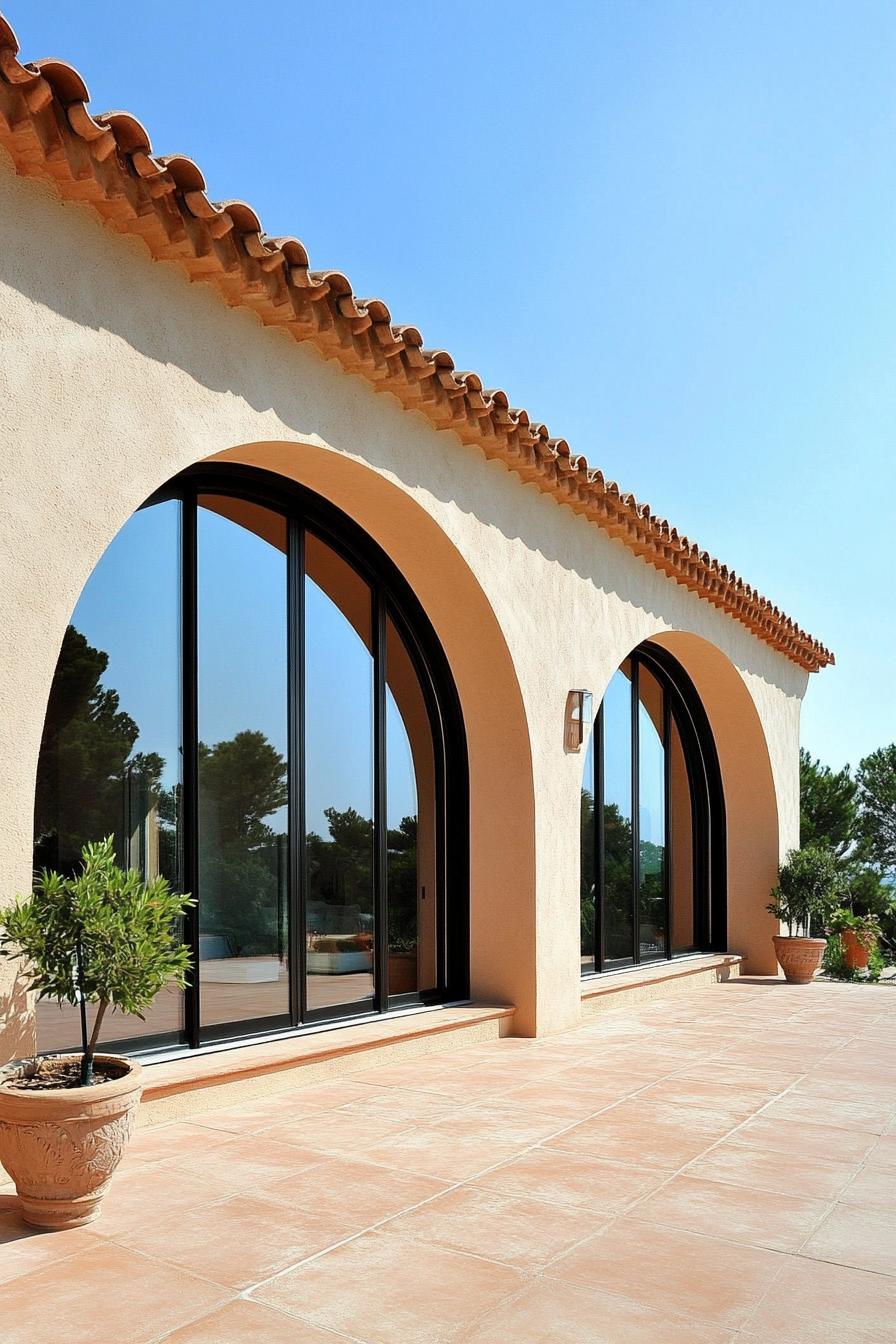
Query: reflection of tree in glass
(402, 845)
(586, 882)
(242, 781)
(617, 881)
(340, 873)
(88, 782)
(653, 894)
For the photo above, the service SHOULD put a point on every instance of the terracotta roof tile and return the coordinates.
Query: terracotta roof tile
(107, 161)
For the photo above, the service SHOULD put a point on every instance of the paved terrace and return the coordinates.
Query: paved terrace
(714, 1167)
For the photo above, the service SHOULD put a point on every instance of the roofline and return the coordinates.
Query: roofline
(107, 161)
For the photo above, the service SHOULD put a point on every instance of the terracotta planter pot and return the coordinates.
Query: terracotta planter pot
(857, 956)
(61, 1146)
(799, 958)
(402, 972)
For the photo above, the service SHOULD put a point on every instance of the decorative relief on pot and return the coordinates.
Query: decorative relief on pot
(56, 1159)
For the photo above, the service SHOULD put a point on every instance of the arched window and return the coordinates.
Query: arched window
(251, 701)
(652, 821)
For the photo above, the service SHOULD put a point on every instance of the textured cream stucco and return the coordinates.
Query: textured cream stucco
(116, 373)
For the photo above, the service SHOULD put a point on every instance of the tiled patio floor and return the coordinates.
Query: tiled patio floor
(714, 1167)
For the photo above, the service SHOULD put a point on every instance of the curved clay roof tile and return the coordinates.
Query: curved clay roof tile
(366, 340)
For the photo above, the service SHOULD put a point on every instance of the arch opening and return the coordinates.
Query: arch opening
(653, 827)
(251, 699)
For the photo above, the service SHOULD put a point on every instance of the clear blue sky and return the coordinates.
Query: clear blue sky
(667, 229)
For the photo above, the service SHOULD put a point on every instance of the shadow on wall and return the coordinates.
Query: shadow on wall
(17, 1018)
(228, 351)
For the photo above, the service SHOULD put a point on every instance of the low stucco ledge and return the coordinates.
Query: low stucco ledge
(640, 984)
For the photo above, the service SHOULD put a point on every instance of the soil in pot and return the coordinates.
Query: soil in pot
(61, 1144)
(53, 1074)
(799, 958)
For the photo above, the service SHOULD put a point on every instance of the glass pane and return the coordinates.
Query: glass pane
(588, 871)
(110, 761)
(339, 912)
(411, 825)
(651, 817)
(681, 859)
(243, 787)
(618, 876)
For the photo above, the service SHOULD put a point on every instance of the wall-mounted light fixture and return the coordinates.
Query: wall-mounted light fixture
(578, 719)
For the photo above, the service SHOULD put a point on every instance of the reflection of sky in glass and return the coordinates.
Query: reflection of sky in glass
(401, 786)
(130, 609)
(338, 715)
(239, 574)
(618, 744)
(651, 781)
(241, 636)
(588, 770)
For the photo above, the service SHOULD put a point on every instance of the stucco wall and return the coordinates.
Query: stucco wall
(116, 373)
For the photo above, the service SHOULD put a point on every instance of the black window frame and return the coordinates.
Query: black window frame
(681, 705)
(392, 596)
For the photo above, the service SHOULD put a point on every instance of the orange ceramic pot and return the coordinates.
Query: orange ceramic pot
(799, 958)
(857, 956)
(61, 1146)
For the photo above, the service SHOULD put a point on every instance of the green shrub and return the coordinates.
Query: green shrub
(810, 886)
(104, 935)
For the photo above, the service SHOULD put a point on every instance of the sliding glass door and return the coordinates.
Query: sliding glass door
(251, 701)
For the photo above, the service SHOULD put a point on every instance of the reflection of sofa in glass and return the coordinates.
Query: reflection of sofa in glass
(338, 943)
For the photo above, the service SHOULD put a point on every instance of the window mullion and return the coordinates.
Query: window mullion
(380, 857)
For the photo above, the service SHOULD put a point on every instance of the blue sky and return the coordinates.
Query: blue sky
(667, 229)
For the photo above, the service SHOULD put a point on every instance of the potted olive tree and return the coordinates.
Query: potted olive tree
(104, 937)
(810, 885)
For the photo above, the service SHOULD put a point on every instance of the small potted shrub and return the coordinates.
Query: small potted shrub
(104, 937)
(809, 888)
(859, 935)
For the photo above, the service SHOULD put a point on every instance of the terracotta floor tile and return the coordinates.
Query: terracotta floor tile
(435, 1151)
(522, 1232)
(872, 1188)
(384, 1289)
(157, 1143)
(883, 1154)
(568, 1103)
(868, 1116)
(250, 1116)
(248, 1161)
(795, 1136)
(23, 1248)
(333, 1092)
(672, 1271)
(771, 1081)
(735, 1101)
(734, 1212)
(548, 1313)
(571, 1181)
(335, 1132)
(106, 1295)
(246, 1322)
(816, 1303)
(861, 1238)
(777, 1173)
(504, 1121)
(143, 1191)
(403, 1104)
(655, 1134)
(371, 1193)
(242, 1240)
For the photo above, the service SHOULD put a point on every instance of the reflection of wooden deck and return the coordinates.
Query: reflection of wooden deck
(59, 1028)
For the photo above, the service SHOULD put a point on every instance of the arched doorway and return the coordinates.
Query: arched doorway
(653, 862)
(252, 701)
